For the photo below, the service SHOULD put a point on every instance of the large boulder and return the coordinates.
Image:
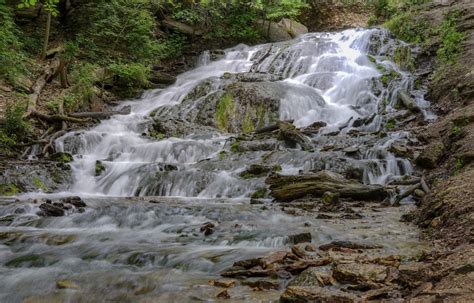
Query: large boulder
(233, 103)
(284, 30)
(293, 28)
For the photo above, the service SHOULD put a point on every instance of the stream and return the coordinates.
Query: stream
(140, 238)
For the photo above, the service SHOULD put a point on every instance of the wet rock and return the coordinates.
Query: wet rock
(430, 156)
(162, 78)
(62, 157)
(49, 210)
(300, 238)
(225, 283)
(248, 263)
(99, 168)
(66, 284)
(276, 257)
(288, 188)
(235, 272)
(347, 244)
(399, 150)
(412, 274)
(418, 193)
(257, 170)
(296, 294)
(259, 194)
(314, 276)
(75, 201)
(330, 198)
(262, 284)
(313, 128)
(207, 228)
(224, 294)
(354, 273)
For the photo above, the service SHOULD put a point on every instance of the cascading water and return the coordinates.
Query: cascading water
(325, 77)
(126, 249)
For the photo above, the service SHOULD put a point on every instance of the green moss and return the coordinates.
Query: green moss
(226, 110)
(8, 189)
(372, 59)
(261, 112)
(247, 124)
(235, 147)
(157, 135)
(276, 168)
(222, 155)
(390, 124)
(99, 168)
(39, 184)
(62, 157)
(259, 193)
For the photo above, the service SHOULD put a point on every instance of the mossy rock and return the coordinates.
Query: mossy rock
(99, 168)
(9, 189)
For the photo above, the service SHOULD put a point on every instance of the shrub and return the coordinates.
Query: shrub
(12, 126)
(451, 39)
(129, 77)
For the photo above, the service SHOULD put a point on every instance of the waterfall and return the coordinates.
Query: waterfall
(327, 77)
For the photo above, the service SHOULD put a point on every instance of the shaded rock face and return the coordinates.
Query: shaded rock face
(239, 103)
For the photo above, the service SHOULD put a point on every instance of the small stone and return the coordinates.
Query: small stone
(225, 283)
(355, 273)
(419, 193)
(75, 201)
(207, 228)
(330, 198)
(435, 222)
(262, 284)
(223, 294)
(66, 284)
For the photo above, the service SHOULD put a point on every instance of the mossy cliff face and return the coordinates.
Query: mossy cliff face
(237, 103)
(21, 177)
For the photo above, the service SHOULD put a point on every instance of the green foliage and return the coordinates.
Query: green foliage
(49, 5)
(120, 29)
(408, 27)
(129, 77)
(451, 39)
(13, 125)
(83, 78)
(12, 58)
(285, 8)
(171, 47)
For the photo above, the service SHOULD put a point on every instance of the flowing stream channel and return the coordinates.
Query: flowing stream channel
(139, 237)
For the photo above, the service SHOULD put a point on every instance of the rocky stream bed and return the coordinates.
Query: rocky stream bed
(282, 171)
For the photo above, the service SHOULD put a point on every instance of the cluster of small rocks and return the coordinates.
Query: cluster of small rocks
(62, 207)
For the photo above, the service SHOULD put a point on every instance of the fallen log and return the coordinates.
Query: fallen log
(408, 102)
(56, 118)
(424, 185)
(289, 133)
(270, 128)
(406, 193)
(289, 188)
(102, 115)
(50, 71)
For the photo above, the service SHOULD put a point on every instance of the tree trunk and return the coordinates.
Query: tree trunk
(46, 36)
